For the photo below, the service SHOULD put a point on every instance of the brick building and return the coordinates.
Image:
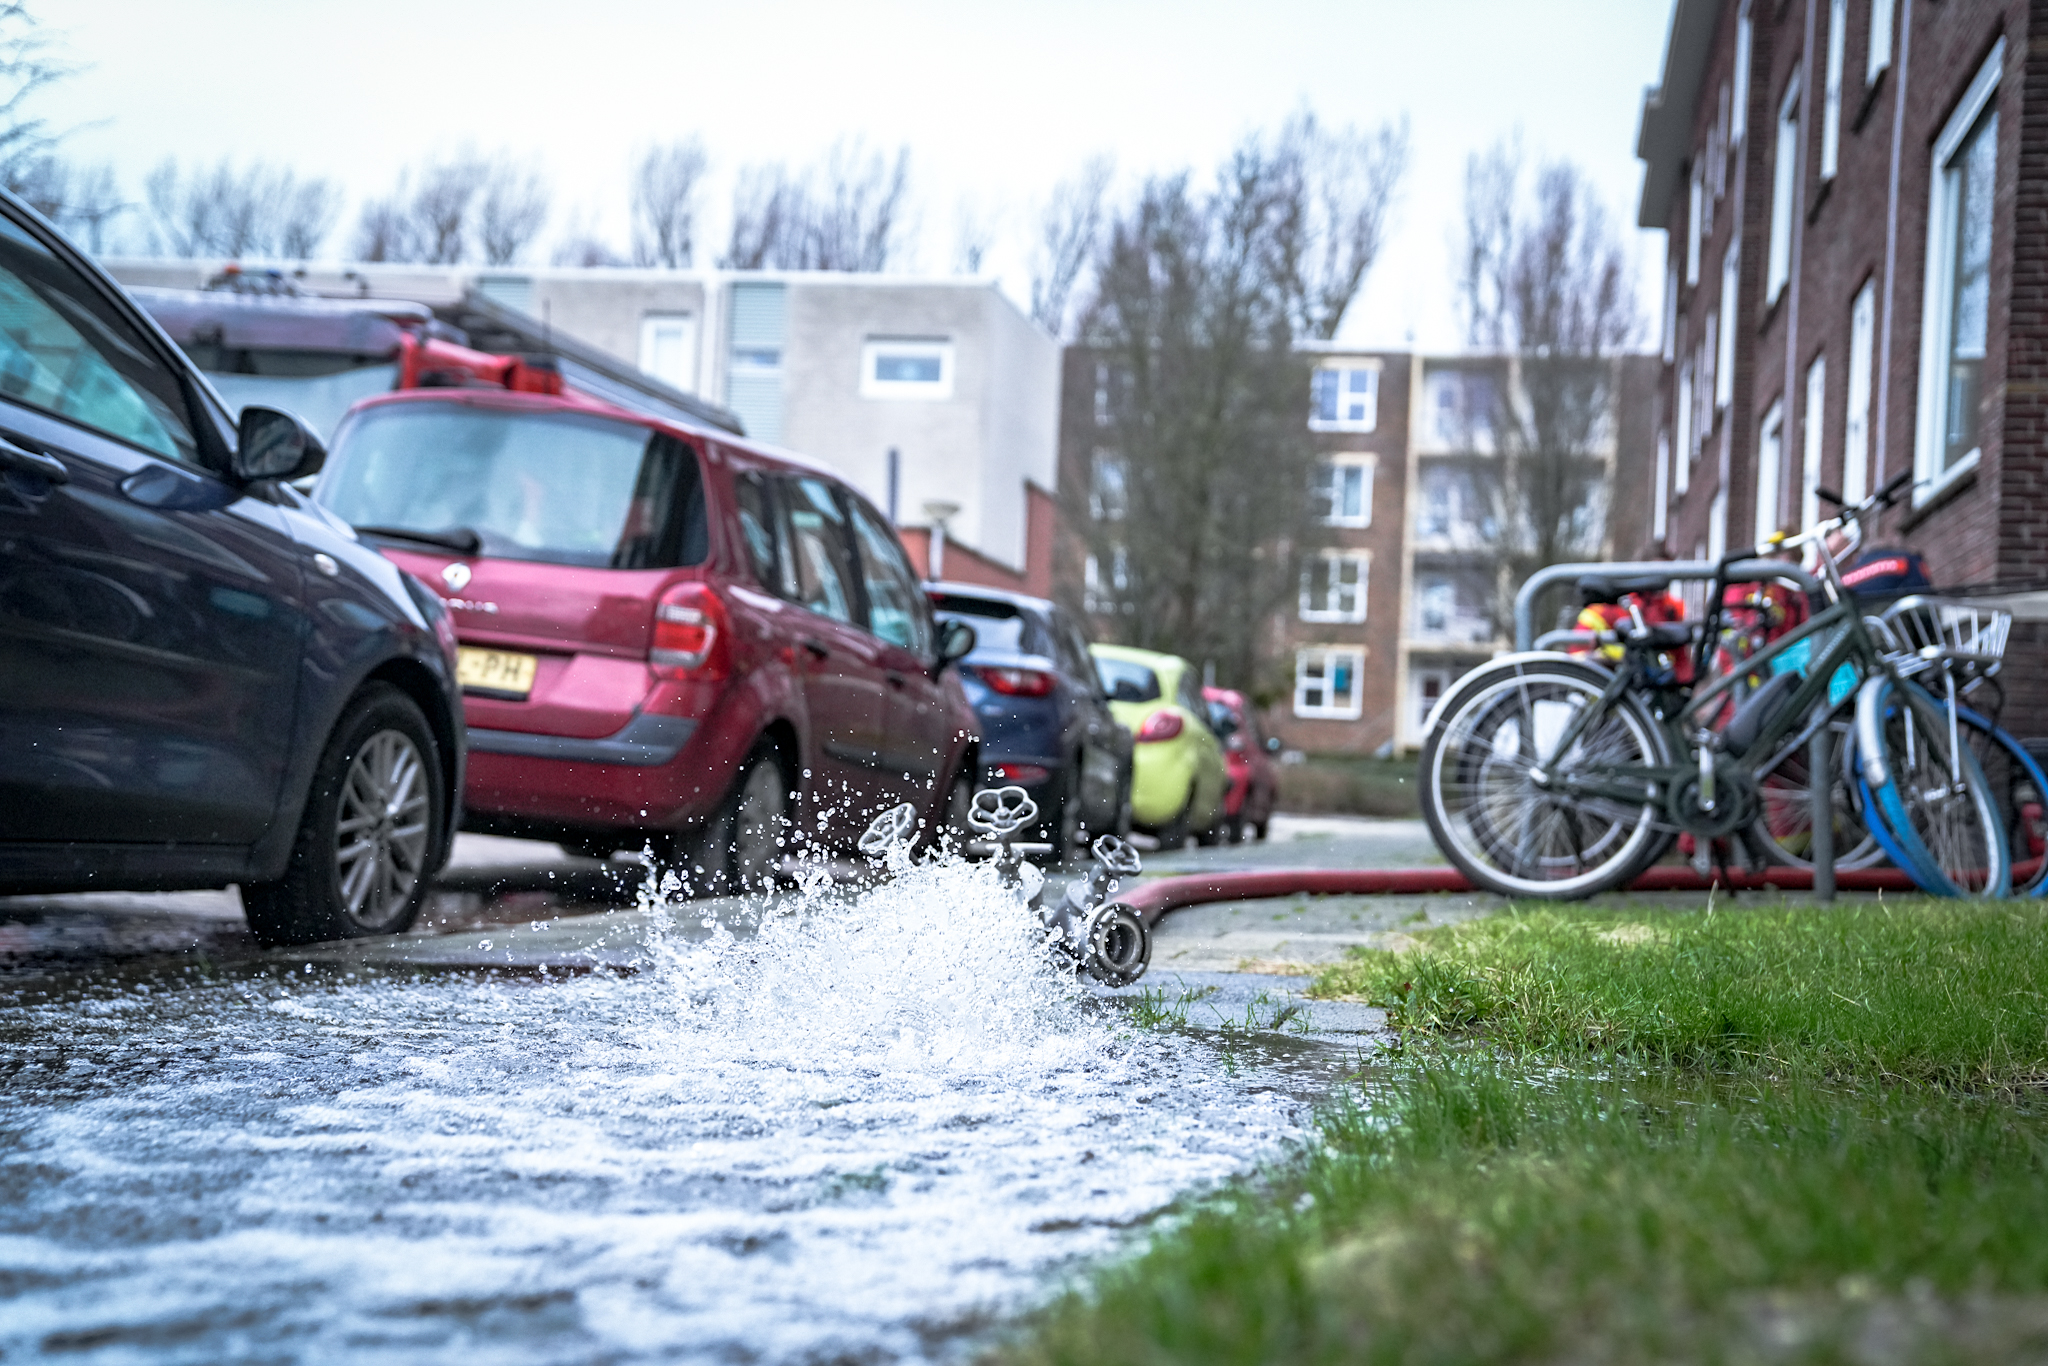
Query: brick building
(1857, 279)
(1405, 596)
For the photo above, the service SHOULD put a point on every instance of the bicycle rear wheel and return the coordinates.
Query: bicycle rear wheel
(1784, 786)
(1496, 823)
(2019, 790)
(1931, 795)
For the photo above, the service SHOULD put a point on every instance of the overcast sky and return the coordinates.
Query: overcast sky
(996, 102)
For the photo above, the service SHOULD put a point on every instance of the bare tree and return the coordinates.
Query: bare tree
(384, 231)
(514, 206)
(226, 210)
(1544, 283)
(768, 211)
(847, 213)
(29, 64)
(1344, 184)
(586, 249)
(309, 209)
(1200, 496)
(857, 213)
(441, 208)
(82, 200)
(973, 236)
(666, 181)
(1070, 232)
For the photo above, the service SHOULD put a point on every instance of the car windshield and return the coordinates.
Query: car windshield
(559, 488)
(1127, 682)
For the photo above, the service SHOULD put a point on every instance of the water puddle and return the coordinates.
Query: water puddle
(865, 1128)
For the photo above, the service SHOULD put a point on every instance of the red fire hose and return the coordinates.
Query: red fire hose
(1154, 898)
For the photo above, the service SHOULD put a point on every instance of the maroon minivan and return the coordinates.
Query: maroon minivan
(665, 633)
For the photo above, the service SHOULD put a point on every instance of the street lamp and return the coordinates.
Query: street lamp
(937, 514)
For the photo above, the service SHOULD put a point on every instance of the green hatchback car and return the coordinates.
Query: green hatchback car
(1178, 777)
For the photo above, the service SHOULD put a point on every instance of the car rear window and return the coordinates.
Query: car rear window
(1126, 681)
(997, 625)
(557, 488)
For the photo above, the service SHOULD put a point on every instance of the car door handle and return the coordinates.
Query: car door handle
(13, 457)
(817, 647)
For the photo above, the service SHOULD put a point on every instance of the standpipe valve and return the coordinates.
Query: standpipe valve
(1084, 928)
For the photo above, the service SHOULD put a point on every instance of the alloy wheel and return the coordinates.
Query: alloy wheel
(381, 834)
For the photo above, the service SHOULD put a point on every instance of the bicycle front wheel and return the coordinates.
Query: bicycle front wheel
(1930, 793)
(1507, 831)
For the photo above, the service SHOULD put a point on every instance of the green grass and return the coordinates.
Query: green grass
(1351, 785)
(1465, 1213)
(1625, 1134)
(1908, 989)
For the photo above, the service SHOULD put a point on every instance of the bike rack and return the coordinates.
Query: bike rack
(1742, 571)
(1739, 571)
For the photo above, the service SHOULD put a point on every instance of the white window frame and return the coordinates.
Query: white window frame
(1770, 469)
(1660, 509)
(1831, 109)
(1722, 137)
(1326, 656)
(680, 323)
(1432, 586)
(1784, 189)
(1371, 420)
(922, 348)
(1710, 374)
(1681, 446)
(1731, 286)
(1717, 525)
(1862, 386)
(1696, 203)
(1368, 465)
(1738, 127)
(1935, 333)
(1331, 609)
(1814, 411)
(1880, 54)
(1670, 347)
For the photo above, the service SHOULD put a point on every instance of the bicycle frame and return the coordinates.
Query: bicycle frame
(1833, 639)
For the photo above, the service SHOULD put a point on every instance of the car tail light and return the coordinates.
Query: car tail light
(689, 633)
(1018, 682)
(1019, 773)
(1163, 724)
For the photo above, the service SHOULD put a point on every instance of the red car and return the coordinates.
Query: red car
(1248, 756)
(665, 633)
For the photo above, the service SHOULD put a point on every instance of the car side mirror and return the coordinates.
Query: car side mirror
(1272, 744)
(956, 642)
(275, 445)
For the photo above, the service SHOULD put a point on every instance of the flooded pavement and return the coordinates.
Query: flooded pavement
(851, 1126)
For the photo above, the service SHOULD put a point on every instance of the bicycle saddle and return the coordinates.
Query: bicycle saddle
(1609, 588)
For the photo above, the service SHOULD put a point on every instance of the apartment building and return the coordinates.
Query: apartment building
(937, 398)
(1427, 514)
(1851, 194)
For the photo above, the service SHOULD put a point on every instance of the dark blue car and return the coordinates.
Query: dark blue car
(1045, 720)
(204, 679)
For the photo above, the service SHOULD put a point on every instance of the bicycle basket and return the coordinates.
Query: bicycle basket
(1945, 631)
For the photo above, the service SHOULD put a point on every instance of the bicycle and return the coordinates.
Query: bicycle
(1549, 776)
(1963, 644)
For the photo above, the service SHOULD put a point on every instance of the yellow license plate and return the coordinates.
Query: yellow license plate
(499, 671)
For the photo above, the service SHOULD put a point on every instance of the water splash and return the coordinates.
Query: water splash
(833, 1125)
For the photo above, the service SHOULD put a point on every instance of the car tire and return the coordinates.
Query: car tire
(1174, 834)
(1260, 829)
(951, 827)
(1235, 830)
(1068, 825)
(740, 848)
(1211, 836)
(381, 773)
